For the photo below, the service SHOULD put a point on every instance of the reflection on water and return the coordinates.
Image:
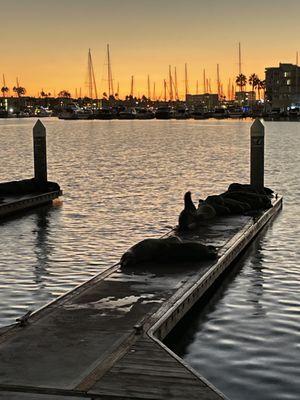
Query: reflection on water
(124, 181)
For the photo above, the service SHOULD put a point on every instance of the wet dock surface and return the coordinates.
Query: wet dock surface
(98, 341)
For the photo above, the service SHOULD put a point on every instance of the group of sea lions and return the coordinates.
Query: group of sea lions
(237, 200)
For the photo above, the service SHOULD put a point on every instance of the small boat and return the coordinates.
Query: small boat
(220, 113)
(42, 112)
(144, 113)
(236, 112)
(164, 112)
(73, 112)
(104, 113)
(3, 113)
(182, 113)
(128, 113)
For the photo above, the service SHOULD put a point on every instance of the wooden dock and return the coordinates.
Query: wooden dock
(103, 340)
(10, 205)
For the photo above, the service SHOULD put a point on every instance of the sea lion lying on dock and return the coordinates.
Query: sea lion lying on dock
(255, 200)
(205, 211)
(167, 250)
(249, 188)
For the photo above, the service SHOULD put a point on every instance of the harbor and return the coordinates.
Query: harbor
(141, 312)
(149, 200)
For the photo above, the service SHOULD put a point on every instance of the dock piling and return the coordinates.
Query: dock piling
(40, 152)
(257, 133)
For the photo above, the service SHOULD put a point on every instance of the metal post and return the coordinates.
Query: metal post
(257, 132)
(40, 152)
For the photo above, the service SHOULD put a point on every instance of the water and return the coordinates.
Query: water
(124, 181)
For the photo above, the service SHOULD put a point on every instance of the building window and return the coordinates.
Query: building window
(288, 81)
(287, 74)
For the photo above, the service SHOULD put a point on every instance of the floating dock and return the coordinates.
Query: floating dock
(39, 191)
(15, 204)
(103, 340)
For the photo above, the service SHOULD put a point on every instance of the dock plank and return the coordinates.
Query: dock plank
(163, 378)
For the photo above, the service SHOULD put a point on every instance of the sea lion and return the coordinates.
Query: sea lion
(235, 206)
(166, 250)
(188, 214)
(205, 211)
(249, 188)
(218, 204)
(256, 201)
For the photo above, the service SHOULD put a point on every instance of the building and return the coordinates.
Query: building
(283, 86)
(207, 100)
(245, 98)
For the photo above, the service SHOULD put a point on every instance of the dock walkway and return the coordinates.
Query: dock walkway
(102, 340)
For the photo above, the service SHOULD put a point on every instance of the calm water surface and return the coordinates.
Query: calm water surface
(124, 181)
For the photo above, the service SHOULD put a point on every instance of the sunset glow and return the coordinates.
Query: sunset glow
(45, 44)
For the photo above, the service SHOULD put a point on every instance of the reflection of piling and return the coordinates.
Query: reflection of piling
(40, 152)
(257, 154)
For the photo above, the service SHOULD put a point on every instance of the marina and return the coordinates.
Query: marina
(137, 348)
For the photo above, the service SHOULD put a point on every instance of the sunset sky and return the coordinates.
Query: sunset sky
(45, 43)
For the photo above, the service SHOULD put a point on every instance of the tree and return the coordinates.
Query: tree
(241, 81)
(261, 85)
(4, 90)
(64, 93)
(19, 90)
(253, 81)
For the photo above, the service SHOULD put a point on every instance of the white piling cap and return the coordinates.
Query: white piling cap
(39, 129)
(257, 128)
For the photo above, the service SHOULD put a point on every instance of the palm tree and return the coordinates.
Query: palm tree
(4, 90)
(261, 85)
(241, 81)
(64, 93)
(19, 90)
(253, 81)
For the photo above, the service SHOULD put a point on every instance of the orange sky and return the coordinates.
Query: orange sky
(45, 44)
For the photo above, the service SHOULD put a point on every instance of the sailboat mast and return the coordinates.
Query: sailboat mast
(131, 86)
(148, 84)
(170, 84)
(165, 90)
(176, 84)
(204, 82)
(109, 74)
(186, 80)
